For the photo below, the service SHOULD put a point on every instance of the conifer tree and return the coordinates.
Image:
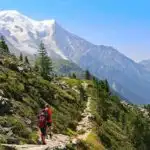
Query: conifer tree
(3, 46)
(74, 76)
(45, 63)
(102, 83)
(87, 75)
(26, 60)
(107, 86)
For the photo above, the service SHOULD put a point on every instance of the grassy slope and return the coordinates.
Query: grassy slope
(117, 131)
(26, 93)
(65, 67)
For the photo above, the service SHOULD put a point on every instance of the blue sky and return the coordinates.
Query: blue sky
(123, 24)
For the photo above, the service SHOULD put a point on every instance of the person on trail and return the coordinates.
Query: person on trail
(48, 112)
(42, 124)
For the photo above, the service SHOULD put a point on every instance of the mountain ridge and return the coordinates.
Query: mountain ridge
(146, 64)
(131, 78)
(24, 33)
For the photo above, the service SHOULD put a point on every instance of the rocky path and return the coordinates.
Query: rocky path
(60, 141)
(85, 126)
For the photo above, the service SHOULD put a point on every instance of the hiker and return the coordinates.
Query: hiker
(48, 112)
(42, 124)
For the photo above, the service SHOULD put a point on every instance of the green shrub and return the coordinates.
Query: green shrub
(3, 77)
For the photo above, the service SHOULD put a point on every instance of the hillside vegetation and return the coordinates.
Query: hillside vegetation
(67, 68)
(23, 92)
(117, 124)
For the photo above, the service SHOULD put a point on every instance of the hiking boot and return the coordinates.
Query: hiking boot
(39, 142)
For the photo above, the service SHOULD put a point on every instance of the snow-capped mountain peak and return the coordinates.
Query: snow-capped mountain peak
(15, 16)
(12, 16)
(25, 34)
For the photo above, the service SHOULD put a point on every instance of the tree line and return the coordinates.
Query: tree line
(43, 62)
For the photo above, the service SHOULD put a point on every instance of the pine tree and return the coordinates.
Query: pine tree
(3, 46)
(139, 131)
(107, 88)
(21, 57)
(102, 83)
(74, 76)
(26, 60)
(97, 85)
(87, 75)
(45, 63)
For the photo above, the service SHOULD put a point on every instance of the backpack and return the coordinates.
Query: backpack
(48, 114)
(42, 120)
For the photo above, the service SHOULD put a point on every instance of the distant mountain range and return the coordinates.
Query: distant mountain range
(130, 79)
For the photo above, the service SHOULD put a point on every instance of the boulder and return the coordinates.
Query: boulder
(1, 92)
(5, 106)
(5, 130)
(10, 133)
(20, 69)
(12, 140)
(28, 121)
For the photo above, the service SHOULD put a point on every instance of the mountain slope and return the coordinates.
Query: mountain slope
(130, 79)
(146, 64)
(82, 110)
(67, 68)
(24, 93)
